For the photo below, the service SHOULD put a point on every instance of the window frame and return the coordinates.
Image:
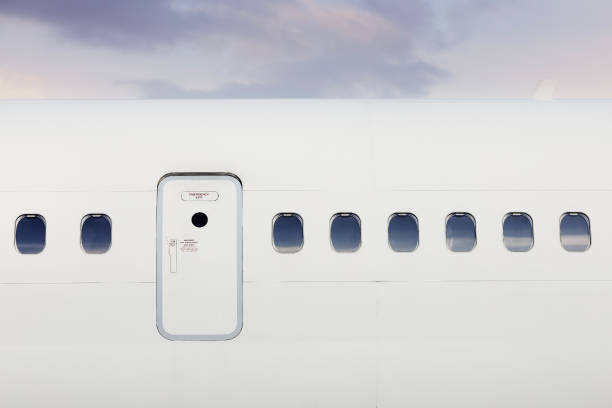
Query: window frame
(588, 223)
(529, 218)
(418, 230)
(346, 214)
(30, 215)
(287, 214)
(110, 222)
(460, 214)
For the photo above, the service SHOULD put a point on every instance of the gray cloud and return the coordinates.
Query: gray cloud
(294, 48)
(163, 89)
(315, 79)
(134, 23)
(139, 23)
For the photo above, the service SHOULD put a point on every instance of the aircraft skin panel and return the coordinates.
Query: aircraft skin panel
(370, 328)
(432, 344)
(306, 145)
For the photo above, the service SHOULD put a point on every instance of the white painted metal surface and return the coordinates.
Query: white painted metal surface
(429, 328)
(199, 265)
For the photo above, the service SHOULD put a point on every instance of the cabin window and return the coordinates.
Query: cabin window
(287, 233)
(96, 233)
(403, 232)
(345, 232)
(575, 230)
(460, 232)
(518, 232)
(30, 233)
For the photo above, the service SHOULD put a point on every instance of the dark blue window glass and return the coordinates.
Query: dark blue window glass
(287, 233)
(96, 232)
(575, 230)
(403, 230)
(518, 232)
(30, 234)
(345, 232)
(460, 232)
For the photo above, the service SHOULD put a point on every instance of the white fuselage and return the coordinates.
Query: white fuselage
(320, 328)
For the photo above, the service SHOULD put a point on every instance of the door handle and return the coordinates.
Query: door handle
(172, 252)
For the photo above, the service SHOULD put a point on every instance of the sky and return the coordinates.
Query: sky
(305, 48)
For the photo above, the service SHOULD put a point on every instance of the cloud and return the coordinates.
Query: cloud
(291, 48)
(136, 23)
(163, 89)
(315, 79)
(114, 23)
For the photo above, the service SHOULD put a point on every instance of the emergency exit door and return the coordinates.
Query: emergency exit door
(199, 256)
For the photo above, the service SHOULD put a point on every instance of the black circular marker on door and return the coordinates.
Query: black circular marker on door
(199, 219)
